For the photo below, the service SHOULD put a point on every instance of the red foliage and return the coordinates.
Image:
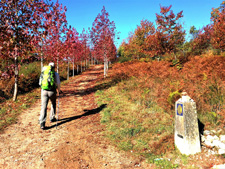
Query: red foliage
(202, 40)
(169, 31)
(148, 41)
(218, 38)
(102, 36)
(202, 78)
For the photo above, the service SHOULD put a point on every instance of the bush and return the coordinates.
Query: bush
(123, 59)
(202, 77)
(29, 77)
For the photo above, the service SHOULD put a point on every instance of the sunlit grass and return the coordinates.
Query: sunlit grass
(133, 122)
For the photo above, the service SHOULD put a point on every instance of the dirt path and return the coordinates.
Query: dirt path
(77, 140)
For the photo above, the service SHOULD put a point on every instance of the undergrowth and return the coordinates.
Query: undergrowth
(134, 125)
(139, 117)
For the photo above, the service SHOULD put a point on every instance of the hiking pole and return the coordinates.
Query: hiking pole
(57, 113)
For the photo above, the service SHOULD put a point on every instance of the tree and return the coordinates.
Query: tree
(19, 22)
(75, 47)
(218, 33)
(215, 11)
(84, 40)
(141, 33)
(42, 33)
(137, 44)
(202, 40)
(170, 33)
(194, 32)
(102, 36)
(68, 48)
(57, 26)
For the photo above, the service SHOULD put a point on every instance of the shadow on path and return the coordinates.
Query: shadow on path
(87, 113)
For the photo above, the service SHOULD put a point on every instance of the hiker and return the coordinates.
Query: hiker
(49, 82)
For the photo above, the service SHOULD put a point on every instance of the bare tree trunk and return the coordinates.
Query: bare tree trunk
(107, 67)
(42, 51)
(41, 61)
(16, 77)
(86, 64)
(68, 71)
(73, 66)
(104, 67)
(77, 68)
(15, 94)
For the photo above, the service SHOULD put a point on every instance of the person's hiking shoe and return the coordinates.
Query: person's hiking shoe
(53, 120)
(42, 126)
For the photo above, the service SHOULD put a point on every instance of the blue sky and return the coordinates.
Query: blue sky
(127, 14)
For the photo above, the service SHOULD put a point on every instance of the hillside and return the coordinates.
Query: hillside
(80, 138)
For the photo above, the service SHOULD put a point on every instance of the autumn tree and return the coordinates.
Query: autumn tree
(169, 33)
(102, 37)
(19, 21)
(57, 26)
(42, 33)
(131, 47)
(85, 42)
(194, 32)
(150, 41)
(76, 47)
(145, 29)
(68, 48)
(202, 40)
(218, 33)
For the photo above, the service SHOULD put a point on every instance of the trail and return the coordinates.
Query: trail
(76, 141)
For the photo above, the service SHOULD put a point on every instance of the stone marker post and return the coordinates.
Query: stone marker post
(186, 136)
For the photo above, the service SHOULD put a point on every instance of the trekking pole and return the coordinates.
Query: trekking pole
(57, 114)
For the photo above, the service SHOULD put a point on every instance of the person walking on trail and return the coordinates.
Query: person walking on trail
(49, 82)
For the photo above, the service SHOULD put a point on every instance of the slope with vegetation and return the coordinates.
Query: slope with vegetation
(139, 117)
(156, 65)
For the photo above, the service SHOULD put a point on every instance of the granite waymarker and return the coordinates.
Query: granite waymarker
(186, 136)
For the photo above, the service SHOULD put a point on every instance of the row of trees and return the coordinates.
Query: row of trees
(168, 36)
(39, 28)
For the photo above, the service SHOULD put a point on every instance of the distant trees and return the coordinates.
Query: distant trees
(167, 37)
(138, 41)
(202, 40)
(170, 31)
(102, 36)
(39, 28)
(149, 41)
(218, 28)
(211, 36)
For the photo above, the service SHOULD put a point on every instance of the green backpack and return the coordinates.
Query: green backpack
(48, 78)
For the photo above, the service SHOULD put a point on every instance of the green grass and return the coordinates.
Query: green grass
(134, 123)
(10, 110)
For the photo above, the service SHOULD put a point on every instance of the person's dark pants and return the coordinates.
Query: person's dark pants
(45, 96)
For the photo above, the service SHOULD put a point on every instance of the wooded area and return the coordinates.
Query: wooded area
(38, 30)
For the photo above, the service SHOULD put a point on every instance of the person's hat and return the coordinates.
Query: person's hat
(51, 64)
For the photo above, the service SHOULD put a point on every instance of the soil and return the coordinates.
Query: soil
(77, 139)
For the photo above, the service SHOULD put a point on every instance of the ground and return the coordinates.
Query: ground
(75, 141)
